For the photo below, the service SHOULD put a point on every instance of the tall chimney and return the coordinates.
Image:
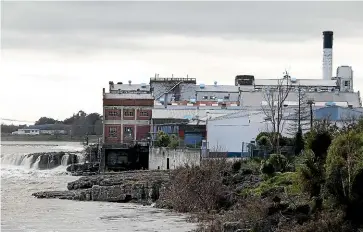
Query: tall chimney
(328, 55)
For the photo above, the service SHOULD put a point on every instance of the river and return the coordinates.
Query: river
(24, 213)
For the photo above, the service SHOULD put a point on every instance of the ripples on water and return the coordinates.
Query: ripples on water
(22, 212)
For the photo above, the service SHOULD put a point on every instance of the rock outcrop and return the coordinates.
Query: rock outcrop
(130, 186)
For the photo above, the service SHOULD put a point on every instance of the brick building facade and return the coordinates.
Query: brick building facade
(127, 113)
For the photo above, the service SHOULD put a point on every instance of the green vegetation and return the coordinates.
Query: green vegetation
(318, 189)
(165, 140)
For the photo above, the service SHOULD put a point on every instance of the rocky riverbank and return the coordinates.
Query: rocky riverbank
(130, 186)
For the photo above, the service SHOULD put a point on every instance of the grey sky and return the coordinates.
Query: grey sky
(86, 24)
(68, 51)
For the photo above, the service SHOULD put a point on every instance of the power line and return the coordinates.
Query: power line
(15, 120)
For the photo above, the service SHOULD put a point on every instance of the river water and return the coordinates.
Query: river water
(22, 212)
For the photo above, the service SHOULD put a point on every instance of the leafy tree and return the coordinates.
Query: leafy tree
(11, 128)
(344, 162)
(45, 120)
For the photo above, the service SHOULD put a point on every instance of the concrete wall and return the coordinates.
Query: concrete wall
(177, 157)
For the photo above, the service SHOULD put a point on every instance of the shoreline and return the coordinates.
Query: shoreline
(46, 138)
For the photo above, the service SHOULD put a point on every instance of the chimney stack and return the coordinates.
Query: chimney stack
(327, 55)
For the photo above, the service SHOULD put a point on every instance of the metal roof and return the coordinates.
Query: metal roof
(256, 98)
(132, 87)
(301, 82)
(189, 113)
(217, 88)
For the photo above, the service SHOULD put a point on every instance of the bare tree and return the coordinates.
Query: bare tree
(300, 116)
(274, 108)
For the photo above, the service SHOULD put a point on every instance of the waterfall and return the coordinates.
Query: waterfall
(65, 159)
(27, 161)
(36, 163)
(46, 160)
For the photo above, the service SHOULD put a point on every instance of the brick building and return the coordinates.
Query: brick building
(127, 110)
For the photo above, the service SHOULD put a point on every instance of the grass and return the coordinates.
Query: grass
(287, 180)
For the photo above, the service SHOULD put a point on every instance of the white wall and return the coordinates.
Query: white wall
(228, 134)
(26, 132)
(177, 157)
(53, 132)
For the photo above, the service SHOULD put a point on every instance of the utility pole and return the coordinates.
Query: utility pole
(311, 102)
(299, 112)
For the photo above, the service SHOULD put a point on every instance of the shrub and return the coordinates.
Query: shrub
(198, 188)
(162, 139)
(236, 166)
(278, 162)
(267, 168)
(174, 141)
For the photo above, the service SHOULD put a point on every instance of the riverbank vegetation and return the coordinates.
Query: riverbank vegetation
(320, 189)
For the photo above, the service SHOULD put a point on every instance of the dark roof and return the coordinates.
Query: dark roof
(50, 127)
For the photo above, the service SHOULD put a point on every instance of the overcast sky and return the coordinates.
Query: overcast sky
(57, 56)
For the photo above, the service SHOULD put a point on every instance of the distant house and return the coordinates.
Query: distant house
(26, 132)
(49, 129)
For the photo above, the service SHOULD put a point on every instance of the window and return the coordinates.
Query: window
(112, 132)
(128, 133)
(212, 98)
(144, 113)
(112, 113)
(205, 97)
(346, 83)
(129, 113)
(226, 97)
(27, 131)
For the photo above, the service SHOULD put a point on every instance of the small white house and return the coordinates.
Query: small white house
(53, 132)
(26, 132)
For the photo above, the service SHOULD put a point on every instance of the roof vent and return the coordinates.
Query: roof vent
(202, 86)
(215, 83)
(143, 85)
(129, 82)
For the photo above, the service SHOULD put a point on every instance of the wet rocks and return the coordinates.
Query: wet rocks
(83, 168)
(135, 186)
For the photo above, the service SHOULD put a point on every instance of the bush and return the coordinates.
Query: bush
(162, 139)
(267, 168)
(174, 141)
(278, 162)
(236, 166)
(198, 188)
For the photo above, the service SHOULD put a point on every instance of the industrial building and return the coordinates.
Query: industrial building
(225, 116)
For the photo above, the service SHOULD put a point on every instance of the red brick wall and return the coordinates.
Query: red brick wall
(125, 138)
(128, 117)
(140, 117)
(142, 132)
(128, 102)
(111, 117)
(109, 139)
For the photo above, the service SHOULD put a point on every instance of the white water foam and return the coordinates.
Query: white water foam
(22, 212)
(64, 161)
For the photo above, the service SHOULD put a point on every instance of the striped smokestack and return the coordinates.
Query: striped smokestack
(328, 55)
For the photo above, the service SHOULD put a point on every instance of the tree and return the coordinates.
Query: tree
(344, 161)
(274, 108)
(45, 120)
(299, 142)
(300, 115)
